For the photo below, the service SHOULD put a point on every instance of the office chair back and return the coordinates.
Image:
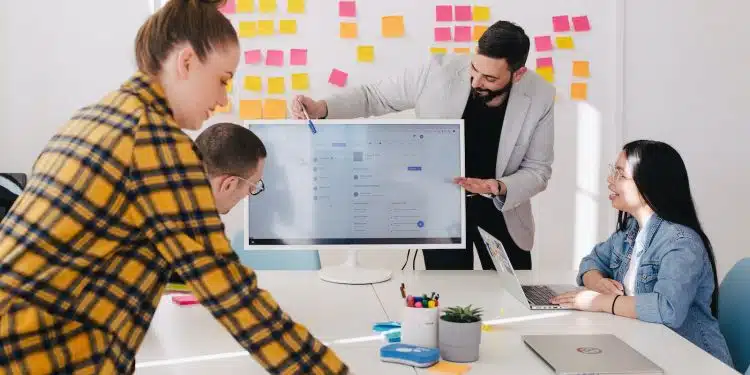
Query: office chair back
(734, 313)
(298, 260)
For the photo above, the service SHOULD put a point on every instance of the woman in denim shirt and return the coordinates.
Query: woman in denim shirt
(658, 266)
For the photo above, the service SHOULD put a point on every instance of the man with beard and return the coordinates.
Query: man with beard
(509, 116)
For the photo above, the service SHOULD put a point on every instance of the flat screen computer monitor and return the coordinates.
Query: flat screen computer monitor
(358, 185)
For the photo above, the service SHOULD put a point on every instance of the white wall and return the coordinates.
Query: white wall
(688, 84)
(54, 63)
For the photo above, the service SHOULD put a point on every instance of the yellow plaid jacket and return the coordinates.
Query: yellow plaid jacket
(117, 199)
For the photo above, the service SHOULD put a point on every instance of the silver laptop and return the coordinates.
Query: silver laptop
(590, 354)
(535, 296)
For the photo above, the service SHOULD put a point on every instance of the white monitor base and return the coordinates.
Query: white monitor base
(352, 273)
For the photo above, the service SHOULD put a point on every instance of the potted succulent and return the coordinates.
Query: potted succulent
(459, 333)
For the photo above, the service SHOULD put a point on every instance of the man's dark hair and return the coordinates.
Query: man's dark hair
(230, 149)
(505, 40)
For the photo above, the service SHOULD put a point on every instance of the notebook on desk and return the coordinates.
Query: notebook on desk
(590, 354)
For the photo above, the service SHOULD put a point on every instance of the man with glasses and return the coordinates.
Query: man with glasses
(234, 158)
(509, 117)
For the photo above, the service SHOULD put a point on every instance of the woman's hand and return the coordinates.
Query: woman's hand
(585, 300)
(608, 286)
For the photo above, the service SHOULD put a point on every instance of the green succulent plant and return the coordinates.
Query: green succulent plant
(466, 314)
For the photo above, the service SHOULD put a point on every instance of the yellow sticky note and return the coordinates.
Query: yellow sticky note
(300, 81)
(581, 69)
(564, 42)
(547, 73)
(579, 91)
(444, 367)
(366, 53)
(267, 6)
(224, 109)
(251, 109)
(276, 85)
(229, 86)
(462, 51)
(274, 109)
(295, 6)
(348, 30)
(245, 6)
(288, 26)
(248, 29)
(265, 27)
(478, 31)
(438, 50)
(253, 83)
(481, 13)
(393, 26)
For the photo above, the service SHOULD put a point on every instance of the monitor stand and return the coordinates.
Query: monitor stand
(352, 273)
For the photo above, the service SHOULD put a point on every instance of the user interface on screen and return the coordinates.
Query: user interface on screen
(358, 183)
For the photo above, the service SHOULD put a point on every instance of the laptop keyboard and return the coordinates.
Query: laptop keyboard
(538, 294)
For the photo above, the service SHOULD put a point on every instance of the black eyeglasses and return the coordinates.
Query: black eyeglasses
(254, 189)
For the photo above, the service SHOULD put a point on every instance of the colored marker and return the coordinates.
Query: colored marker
(309, 122)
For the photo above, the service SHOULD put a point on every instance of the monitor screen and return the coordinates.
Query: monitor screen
(359, 183)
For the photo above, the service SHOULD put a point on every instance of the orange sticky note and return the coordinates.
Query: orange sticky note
(248, 29)
(274, 109)
(348, 30)
(366, 53)
(481, 13)
(462, 51)
(581, 69)
(253, 83)
(393, 26)
(564, 42)
(251, 109)
(300, 81)
(288, 26)
(444, 367)
(438, 50)
(267, 6)
(276, 85)
(478, 31)
(579, 91)
(295, 6)
(547, 73)
(265, 27)
(245, 6)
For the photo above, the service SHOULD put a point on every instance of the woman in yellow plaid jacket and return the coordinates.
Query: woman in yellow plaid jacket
(116, 200)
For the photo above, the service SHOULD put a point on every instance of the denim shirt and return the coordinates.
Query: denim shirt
(674, 283)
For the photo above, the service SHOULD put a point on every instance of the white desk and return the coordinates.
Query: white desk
(187, 340)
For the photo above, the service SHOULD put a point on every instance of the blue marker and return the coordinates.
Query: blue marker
(309, 122)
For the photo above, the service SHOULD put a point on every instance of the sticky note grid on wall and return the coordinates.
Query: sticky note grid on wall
(317, 47)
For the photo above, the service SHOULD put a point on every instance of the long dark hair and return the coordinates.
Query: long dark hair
(662, 179)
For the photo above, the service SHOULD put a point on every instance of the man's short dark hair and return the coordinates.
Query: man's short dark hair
(505, 40)
(230, 149)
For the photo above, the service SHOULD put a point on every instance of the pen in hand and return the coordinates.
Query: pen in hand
(309, 122)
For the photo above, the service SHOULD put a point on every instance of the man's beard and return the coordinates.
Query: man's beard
(486, 96)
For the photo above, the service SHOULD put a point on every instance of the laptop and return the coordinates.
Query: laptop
(535, 296)
(590, 354)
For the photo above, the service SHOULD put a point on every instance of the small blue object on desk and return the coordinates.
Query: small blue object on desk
(391, 331)
(410, 355)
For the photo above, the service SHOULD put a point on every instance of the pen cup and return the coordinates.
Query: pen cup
(419, 326)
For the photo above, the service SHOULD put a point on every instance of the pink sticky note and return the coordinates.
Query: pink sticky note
(444, 13)
(560, 23)
(347, 9)
(462, 33)
(581, 23)
(298, 57)
(252, 56)
(184, 299)
(442, 34)
(338, 78)
(275, 57)
(543, 43)
(544, 62)
(463, 13)
(230, 7)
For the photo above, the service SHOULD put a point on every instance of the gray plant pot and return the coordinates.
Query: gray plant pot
(459, 342)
